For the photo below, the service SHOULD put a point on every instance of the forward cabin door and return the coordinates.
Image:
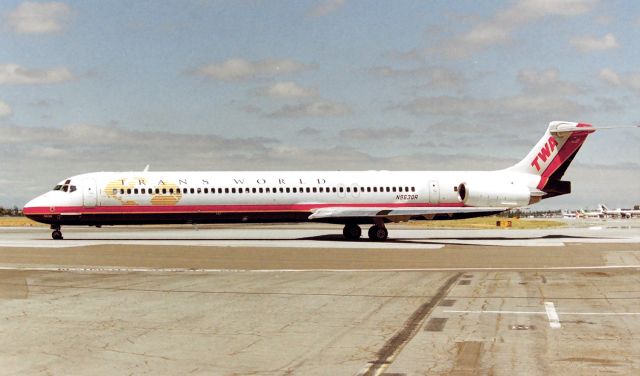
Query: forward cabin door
(434, 192)
(89, 194)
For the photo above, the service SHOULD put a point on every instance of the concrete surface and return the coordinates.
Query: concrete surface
(568, 304)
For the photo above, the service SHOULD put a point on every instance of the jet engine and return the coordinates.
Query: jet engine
(494, 195)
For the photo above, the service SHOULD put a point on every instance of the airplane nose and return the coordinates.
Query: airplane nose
(35, 204)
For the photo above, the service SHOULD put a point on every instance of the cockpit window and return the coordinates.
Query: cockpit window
(66, 187)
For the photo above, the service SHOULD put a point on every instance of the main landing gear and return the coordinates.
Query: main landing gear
(377, 232)
(56, 234)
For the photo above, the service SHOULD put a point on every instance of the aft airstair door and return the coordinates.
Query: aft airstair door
(434, 192)
(89, 194)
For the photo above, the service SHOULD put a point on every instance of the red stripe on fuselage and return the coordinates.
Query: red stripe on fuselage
(159, 209)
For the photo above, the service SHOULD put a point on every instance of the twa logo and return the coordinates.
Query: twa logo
(545, 152)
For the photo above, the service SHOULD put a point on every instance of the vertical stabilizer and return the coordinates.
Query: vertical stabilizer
(553, 154)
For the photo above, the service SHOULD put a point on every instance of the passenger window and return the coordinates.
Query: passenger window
(368, 189)
(375, 189)
(199, 190)
(247, 190)
(393, 189)
(219, 190)
(164, 191)
(143, 191)
(226, 190)
(261, 190)
(157, 191)
(135, 191)
(281, 190)
(314, 190)
(341, 189)
(206, 190)
(348, 190)
(115, 191)
(121, 191)
(192, 190)
(413, 189)
(170, 191)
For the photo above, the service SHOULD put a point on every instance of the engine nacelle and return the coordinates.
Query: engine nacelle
(494, 195)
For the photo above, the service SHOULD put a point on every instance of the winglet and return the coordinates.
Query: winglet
(146, 169)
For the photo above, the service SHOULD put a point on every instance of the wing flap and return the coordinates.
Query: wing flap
(397, 213)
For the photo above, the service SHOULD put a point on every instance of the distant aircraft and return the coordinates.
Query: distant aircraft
(621, 213)
(569, 214)
(349, 198)
(590, 214)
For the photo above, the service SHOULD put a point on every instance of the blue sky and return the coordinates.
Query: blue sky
(329, 84)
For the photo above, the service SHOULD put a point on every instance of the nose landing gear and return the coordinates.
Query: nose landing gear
(56, 234)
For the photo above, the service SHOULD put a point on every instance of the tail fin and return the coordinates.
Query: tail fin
(603, 208)
(553, 154)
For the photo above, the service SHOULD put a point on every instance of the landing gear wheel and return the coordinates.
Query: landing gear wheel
(351, 231)
(378, 233)
(57, 235)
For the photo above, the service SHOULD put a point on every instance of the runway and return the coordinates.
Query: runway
(279, 300)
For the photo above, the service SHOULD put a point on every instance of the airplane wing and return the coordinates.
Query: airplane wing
(396, 214)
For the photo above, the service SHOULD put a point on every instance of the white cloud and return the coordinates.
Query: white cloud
(5, 109)
(546, 81)
(609, 76)
(287, 89)
(326, 7)
(318, 108)
(39, 18)
(436, 77)
(241, 69)
(376, 134)
(14, 74)
(590, 43)
(499, 28)
(629, 81)
(516, 105)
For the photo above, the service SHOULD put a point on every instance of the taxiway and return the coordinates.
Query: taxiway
(294, 300)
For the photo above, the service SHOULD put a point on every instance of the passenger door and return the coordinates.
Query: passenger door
(89, 193)
(434, 192)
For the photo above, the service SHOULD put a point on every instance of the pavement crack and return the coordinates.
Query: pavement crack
(395, 344)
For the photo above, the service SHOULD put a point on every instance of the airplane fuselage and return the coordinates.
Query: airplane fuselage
(113, 198)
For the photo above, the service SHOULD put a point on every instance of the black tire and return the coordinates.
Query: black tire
(351, 232)
(378, 233)
(57, 235)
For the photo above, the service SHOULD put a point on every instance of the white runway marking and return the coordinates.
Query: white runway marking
(125, 269)
(554, 320)
(550, 312)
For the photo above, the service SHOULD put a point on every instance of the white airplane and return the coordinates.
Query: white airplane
(621, 213)
(590, 214)
(350, 198)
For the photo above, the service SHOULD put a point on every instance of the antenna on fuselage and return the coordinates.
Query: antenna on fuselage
(146, 169)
